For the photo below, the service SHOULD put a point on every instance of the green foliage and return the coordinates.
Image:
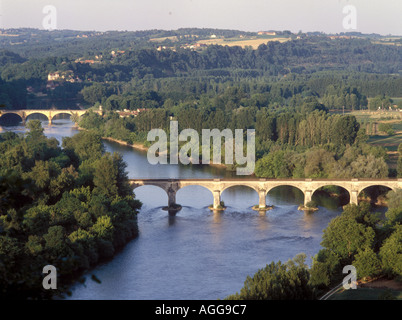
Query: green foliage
(358, 237)
(367, 264)
(274, 165)
(86, 145)
(51, 213)
(391, 253)
(379, 102)
(345, 235)
(277, 281)
(394, 212)
(93, 93)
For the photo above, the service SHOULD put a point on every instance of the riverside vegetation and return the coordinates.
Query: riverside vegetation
(357, 237)
(70, 207)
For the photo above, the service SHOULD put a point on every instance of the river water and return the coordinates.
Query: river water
(198, 254)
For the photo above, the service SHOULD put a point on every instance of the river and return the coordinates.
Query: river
(198, 254)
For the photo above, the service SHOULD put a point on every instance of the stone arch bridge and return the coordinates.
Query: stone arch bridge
(263, 186)
(50, 114)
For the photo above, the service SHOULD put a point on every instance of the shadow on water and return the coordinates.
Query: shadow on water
(331, 200)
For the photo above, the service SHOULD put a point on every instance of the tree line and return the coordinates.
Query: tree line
(306, 143)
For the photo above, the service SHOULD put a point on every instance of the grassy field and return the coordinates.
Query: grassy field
(252, 42)
(390, 143)
(377, 115)
(173, 38)
(396, 99)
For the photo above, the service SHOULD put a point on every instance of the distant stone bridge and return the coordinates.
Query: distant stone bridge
(263, 186)
(50, 114)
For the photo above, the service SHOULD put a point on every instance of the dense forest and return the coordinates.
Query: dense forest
(71, 207)
(341, 72)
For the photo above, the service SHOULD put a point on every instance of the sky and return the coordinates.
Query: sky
(368, 16)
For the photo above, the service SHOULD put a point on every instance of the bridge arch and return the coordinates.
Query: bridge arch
(298, 192)
(71, 113)
(11, 116)
(331, 198)
(55, 114)
(147, 190)
(241, 197)
(240, 185)
(36, 113)
(373, 193)
(137, 186)
(390, 187)
(204, 195)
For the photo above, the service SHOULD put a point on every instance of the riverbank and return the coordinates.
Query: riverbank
(136, 146)
(142, 147)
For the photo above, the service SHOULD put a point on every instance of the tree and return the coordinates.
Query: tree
(103, 228)
(394, 212)
(55, 242)
(10, 252)
(93, 93)
(367, 263)
(105, 176)
(123, 186)
(319, 275)
(345, 130)
(326, 269)
(87, 145)
(35, 130)
(36, 220)
(274, 165)
(278, 281)
(345, 236)
(368, 167)
(318, 163)
(391, 253)
(92, 121)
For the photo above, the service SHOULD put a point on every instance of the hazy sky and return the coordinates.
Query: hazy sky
(372, 16)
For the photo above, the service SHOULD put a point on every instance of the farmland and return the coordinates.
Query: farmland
(253, 42)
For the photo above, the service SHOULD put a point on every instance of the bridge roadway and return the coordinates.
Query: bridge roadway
(50, 114)
(263, 186)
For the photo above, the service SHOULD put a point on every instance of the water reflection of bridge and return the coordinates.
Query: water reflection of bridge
(263, 186)
(50, 114)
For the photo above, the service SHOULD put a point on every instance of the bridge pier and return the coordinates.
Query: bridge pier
(171, 198)
(172, 207)
(308, 195)
(353, 197)
(217, 199)
(262, 202)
